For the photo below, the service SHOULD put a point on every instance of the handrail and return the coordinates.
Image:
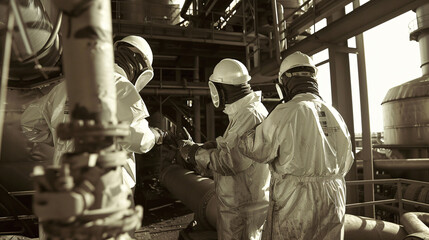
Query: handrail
(398, 199)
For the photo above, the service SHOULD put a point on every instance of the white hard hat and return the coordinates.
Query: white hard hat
(142, 47)
(296, 59)
(139, 43)
(230, 71)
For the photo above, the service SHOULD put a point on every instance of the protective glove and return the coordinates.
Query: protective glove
(187, 149)
(163, 137)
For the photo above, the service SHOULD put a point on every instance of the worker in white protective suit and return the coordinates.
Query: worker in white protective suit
(133, 70)
(241, 184)
(307, 146)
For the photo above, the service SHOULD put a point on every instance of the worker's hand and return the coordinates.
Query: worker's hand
(169, 138)
(164, 137)
(187, 149)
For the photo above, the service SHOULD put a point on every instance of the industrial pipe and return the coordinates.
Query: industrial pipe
(88, 61)
(85, 197)
(416, 222)
(357, 228)
(198, 194)
(398, 164)
(195, 191)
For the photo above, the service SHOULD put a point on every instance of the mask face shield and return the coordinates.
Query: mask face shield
(280, 91)
(145, 76)
(214, 94)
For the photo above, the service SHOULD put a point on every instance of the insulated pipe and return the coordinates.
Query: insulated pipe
(87, 36)
(357, 228)
(195, 191)
(416, 222)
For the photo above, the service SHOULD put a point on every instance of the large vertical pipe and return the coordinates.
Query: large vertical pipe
(197, 103)
(368, 171)
(342, 97)
(87, 36)
(89, 181)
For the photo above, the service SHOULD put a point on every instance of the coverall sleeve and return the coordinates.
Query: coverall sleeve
(132, 109)
(221, 160)
(261, 143)
(34, 125)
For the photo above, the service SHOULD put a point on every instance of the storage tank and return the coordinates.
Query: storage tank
(406, 113)
(38, 22)
(406, 107)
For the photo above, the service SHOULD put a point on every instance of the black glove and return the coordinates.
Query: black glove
(187, 150)
(164, 137)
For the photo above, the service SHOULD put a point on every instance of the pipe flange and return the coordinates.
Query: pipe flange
(90, 128)
(102, 159)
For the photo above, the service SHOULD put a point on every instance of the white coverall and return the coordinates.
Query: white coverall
(241, 184)
(307, 146)
(40, 119)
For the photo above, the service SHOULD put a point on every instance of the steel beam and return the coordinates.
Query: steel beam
(322, 10)
(363, 18)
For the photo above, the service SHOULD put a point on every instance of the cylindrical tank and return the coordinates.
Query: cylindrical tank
(406, 113)
(42, 36)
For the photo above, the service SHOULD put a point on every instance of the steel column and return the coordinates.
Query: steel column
(368, 171)
(197, 103)
(342, 97)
